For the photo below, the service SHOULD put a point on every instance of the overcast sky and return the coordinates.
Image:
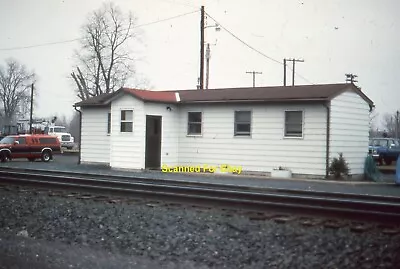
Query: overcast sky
(334, 37)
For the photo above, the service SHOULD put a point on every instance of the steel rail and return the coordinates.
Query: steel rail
(175, 182)
(244, 199)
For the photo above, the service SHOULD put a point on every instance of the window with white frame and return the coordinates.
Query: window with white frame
(294, 123)
(126, 121)
(242, 123)
(109, 123)
(194, 123)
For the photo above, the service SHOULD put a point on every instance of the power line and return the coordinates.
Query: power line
(76, 39)
(180, 3)
(246, 44)
(299, 75)
(167, 19)
(254, 49)
(41, 45)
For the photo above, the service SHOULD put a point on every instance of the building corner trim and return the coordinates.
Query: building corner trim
(328, 131)
(80, 134)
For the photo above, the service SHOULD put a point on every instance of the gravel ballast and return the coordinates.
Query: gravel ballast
(73, 233)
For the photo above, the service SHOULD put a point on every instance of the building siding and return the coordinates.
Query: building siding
(95, 143)
(349, 130)
(127, 149)
(265, 149)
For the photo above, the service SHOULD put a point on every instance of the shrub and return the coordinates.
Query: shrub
(339, 167)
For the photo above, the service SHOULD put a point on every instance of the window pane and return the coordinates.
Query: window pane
(393, 142)
(22, 140)
(243, 128)
(194, 116)
(242, 122)
(383, 143)
(243, 116)
(47, 140)
(109, 123)
(126, 115)
(194, 128)
(293, 123)
(126, 127)
(378, 142)
(293, 128)
(294, 116)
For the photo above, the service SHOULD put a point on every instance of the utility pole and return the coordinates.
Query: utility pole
(351, 78)
(208, 56)
(284, 72)
(202, 48)
(294, 67)
(31, 113)
(254, 76)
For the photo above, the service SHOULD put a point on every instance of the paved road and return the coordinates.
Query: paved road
(65, 159)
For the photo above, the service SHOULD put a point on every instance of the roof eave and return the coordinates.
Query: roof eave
(258, 101)
(160, 101)
(92, 105)
(356, 90)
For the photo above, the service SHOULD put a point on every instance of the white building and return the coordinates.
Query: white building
(300, 128)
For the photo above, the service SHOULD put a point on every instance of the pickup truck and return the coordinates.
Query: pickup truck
(66, 139)
(384, 149)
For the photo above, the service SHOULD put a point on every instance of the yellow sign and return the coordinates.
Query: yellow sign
(223, 168)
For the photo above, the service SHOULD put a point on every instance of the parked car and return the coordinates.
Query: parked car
(384, 149)
(28, 146)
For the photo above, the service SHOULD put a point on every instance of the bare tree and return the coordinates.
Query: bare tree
(60, 120)
(104, 63)
(372, 123)
(74, 126)
(389, 124)
(15, 82)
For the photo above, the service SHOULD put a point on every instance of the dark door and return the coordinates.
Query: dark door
(153, 142)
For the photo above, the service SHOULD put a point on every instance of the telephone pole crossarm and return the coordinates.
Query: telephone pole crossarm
(254, 76)
(351, 78)
(293, 71)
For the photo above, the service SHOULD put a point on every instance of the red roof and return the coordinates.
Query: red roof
(152, 96)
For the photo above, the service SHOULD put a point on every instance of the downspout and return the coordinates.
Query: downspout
(328, 132)
(80, 134)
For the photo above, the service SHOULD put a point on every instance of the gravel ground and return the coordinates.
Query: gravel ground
(56, 232)
(26, 253)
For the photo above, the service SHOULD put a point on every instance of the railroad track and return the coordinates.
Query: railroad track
(381, 209)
